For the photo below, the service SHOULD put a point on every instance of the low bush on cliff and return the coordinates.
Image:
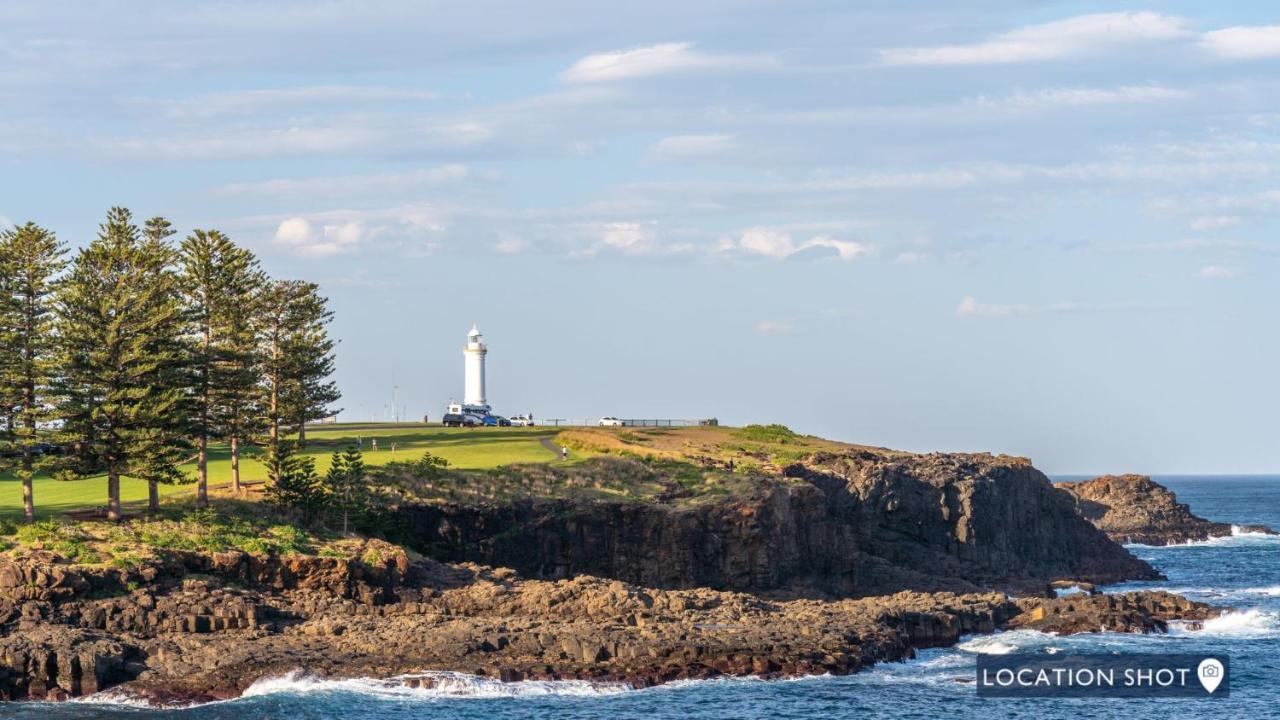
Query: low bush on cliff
(211, 531)
(65, 539)
(245, 526)
(773, 433)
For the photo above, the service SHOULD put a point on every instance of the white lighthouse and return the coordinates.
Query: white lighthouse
(473, 356)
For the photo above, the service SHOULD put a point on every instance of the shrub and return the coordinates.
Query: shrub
(126, 561)
(255, 545)
(773, 433)
(40, 532)
(288, 539)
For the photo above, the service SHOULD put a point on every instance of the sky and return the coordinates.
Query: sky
(1039, 228)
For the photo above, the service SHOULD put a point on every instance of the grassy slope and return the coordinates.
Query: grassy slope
(476, 448)
(692, 450)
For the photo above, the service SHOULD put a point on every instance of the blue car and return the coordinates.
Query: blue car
(496, 421)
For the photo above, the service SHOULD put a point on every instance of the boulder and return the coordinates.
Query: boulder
(1136, 509)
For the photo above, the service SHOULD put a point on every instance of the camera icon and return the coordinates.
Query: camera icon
(1211, 671)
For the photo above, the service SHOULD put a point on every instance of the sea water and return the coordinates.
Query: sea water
(1241, 572)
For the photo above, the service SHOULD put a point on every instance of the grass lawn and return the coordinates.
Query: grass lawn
(467, 448)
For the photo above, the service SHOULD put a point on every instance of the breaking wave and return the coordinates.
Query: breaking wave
(435, 684)
(1244, 624)
(1238, 537)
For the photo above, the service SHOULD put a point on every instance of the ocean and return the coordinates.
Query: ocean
(1242, 572)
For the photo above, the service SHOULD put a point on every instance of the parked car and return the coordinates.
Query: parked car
(522, 420)
(496, 421)
(610, 422)
(37, 450)
(459, 420)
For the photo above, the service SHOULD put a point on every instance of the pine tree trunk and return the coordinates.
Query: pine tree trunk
(113, 496)
(273, 456)
(28, 502)
(275, 409)
(202, 465)
(302, 434)
(29, 406)
(28, 499)
(153, 497)
(202, 473)
(235, 464)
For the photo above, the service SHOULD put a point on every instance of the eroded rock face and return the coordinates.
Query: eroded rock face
(1136, 509)
(845, 525)
(197, 636)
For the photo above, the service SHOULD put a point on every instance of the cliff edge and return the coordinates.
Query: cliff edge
(850, 523)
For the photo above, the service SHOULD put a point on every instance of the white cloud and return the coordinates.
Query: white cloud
(628, 238)
(652, 60)
(1076, 97)
(1077, 36)
(691, 145)
(1243, 42)
(1217, 272)
(1214, 222)
(845, 249)
(771, 327)
(779, 245)
(210, 105)
(970, 306)
(294, 231)
(350, 135)
(511, 245)
(5, 222)
(348, 185)
(944, 178)
(770, 243)
(301, 237)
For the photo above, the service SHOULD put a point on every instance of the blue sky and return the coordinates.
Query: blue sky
(1041, 228)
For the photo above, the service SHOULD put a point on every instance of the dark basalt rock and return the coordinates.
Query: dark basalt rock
(844, 525)
(1136, 509)
(848, 559)
(188, 638)
(1133, 612)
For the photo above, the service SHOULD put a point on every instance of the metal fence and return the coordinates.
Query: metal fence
(627, 422)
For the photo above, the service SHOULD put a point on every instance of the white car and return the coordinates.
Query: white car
(610, 422)
(522, 421)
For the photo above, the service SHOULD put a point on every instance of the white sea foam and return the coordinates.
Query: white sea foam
(1245, 624)
(431, 685)
(1003, 643)
(1239, 537)
(117, 697)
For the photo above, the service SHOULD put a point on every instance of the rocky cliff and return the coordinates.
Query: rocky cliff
(1136, 509)
(846, 524)
(198, 627)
